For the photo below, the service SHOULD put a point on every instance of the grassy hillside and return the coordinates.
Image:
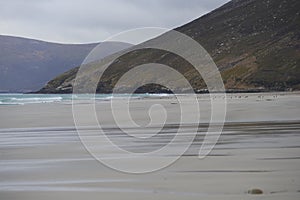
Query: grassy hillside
(255, 44)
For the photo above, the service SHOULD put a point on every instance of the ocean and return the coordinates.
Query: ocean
(22, 99)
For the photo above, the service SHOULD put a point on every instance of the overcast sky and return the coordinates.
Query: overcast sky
(84, 21)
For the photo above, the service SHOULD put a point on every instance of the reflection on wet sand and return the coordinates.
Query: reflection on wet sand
(255, 151)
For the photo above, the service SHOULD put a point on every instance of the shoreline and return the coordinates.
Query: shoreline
(240, 108)
(201, 91)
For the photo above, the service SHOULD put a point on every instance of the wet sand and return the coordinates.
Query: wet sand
(43, 158)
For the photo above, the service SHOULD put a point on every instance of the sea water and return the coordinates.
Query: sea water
(22, 99)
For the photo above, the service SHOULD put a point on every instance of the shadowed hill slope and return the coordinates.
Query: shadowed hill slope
(27, 65)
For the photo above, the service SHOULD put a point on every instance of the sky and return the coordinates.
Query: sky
(86, 21)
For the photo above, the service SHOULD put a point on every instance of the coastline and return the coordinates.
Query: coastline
(241, 107)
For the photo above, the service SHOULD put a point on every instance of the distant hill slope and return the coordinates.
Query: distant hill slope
(255, 44)
(27, 65)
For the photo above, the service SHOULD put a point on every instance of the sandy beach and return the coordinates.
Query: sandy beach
(43, 158)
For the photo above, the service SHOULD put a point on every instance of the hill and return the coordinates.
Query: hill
(27, 65)
(255, 44)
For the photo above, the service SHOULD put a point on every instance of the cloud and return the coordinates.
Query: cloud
(83, 21)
